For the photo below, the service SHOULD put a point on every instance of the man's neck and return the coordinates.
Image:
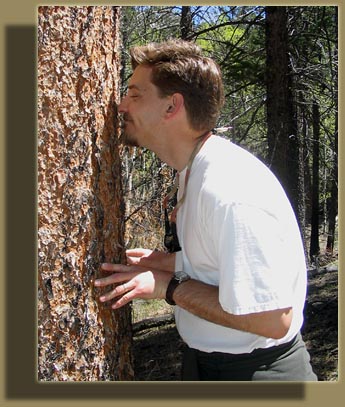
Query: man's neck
(179, 151)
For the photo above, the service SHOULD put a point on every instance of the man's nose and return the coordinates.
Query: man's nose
(122, 106)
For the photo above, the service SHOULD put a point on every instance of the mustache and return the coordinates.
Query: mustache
(126, 117)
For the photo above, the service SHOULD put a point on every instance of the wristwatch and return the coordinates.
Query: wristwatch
(178, 278)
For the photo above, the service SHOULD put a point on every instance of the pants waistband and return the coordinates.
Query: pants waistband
(273, 351)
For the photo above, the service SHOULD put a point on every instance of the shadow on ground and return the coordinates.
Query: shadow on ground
(158, 350)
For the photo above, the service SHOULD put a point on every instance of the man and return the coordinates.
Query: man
(239, 280)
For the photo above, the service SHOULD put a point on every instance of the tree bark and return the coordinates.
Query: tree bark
(303, 175)
(186, 22)
(279, 98)
(333, 199)
(80, 206)
(315, 210)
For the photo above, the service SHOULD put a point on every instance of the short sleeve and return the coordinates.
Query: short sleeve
(251, 255)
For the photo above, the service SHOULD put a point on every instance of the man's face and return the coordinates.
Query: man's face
(142, 109)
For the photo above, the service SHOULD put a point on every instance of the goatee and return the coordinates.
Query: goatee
(127, 139)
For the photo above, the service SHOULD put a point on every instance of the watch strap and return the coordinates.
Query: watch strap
(170, 291)
(178, 278)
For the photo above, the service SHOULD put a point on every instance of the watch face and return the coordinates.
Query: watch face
(181, 276)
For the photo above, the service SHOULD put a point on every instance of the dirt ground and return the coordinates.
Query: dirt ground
(320, 331)
(158, 350)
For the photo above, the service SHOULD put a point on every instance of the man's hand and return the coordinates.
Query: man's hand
(152, 259)
(133, 282)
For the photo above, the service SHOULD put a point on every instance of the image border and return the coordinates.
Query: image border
(18, 220)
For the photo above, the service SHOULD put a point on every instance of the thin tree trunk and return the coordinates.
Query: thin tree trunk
(80, 208)
(278, 92)
(314, 237)
(333, 199)
(295, 165)
(285, 145)
(186, 23)
(303, 170)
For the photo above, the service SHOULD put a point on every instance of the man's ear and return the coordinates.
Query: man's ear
(175, 103)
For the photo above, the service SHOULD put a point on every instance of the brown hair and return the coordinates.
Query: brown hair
(179, 67)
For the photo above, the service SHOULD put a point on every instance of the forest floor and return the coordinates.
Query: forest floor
(158, 347)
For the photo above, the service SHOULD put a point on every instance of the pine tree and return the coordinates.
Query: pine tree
(80, 207)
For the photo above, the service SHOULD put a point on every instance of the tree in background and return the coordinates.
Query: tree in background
(313, 55)
(280, 119)
(275, 60)
(80, 202)
(314, 235)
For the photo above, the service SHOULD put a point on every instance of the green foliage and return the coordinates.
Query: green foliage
(235, 37)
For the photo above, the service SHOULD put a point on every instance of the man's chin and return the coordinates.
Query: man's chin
(129, 140)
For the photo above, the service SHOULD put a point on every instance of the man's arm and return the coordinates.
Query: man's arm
(202, 300)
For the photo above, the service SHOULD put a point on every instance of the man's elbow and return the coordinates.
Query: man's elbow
(279, 332)
(282, 325)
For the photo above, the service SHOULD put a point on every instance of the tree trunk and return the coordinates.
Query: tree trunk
(278, 92)
(302, 179)
(314, 237)
(186, 23)
(80, 207)
(333, 199)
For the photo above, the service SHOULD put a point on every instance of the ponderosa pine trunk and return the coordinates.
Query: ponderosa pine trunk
(80, 206)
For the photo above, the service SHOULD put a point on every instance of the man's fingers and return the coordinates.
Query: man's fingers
(113, 279)
(121, 289)
(114, 267)
(138, 252)
(125, 299)
(121, 268)
(136, 256)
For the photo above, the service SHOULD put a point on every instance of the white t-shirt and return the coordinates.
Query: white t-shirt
(237, 231)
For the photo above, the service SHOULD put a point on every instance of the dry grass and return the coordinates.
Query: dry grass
(143, 309)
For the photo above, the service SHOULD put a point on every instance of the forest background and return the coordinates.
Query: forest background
(280, 67)
(280, 71)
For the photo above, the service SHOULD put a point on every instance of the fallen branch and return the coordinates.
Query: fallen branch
(155, 322)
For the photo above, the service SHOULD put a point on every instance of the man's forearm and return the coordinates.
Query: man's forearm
(202, 300)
